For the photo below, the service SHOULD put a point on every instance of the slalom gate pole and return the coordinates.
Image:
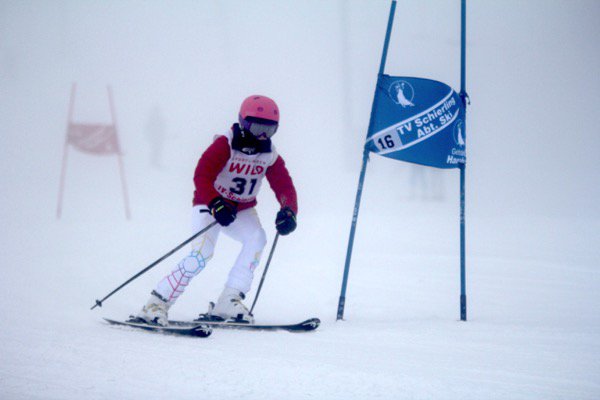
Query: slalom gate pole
(63, 170)
(361, 180)
(262, 279)
(113, 115)
(99, 302)
(465, 99)
(342, 299)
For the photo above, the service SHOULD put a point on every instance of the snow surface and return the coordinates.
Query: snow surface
(178, 72)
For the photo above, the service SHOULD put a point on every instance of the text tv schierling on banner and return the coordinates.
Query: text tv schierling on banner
(418, 120)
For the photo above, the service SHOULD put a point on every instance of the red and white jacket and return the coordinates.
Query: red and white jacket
(237, 176)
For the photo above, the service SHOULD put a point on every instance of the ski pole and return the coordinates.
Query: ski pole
(99, 302)
(262, 279)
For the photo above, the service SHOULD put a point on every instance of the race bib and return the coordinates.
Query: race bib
(241, 178)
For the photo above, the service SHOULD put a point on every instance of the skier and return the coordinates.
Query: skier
(227, 180)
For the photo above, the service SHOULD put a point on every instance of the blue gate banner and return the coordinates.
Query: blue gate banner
(419, 121)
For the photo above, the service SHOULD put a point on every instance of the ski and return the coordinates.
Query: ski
(304, 326)
(199, 329)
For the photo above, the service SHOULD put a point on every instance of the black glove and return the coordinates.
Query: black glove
(223, 211)
(285, 221)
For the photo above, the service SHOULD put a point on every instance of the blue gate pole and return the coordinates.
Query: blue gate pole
(463, 277)
(342, 300)
(462, 166)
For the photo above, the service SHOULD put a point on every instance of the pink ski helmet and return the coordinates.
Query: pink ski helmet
(259, 107)
(259, 115)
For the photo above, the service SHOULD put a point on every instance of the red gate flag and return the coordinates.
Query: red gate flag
(93, 138)
(98, 139)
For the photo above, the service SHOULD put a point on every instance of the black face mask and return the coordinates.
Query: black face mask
(247, 143)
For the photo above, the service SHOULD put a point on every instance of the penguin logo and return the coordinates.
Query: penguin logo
(402, 93)
(459, 134)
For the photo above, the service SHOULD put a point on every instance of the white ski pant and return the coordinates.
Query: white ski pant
(246, 229)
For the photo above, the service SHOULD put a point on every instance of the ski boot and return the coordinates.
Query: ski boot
(155, 312)
(229, 308)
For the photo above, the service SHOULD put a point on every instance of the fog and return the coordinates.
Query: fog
(532, 76)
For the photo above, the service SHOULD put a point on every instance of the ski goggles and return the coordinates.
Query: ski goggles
(260, 127)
